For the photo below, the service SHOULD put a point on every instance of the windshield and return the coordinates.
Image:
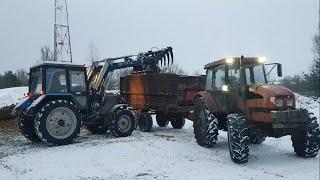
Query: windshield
(255, 75)
(35, 81)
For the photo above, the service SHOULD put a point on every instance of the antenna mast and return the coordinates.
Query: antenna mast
(62, 43)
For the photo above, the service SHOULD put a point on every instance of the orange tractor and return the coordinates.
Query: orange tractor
(239, 100)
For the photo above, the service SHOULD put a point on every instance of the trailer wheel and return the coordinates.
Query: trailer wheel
(58, 122)
(306, 142)
(26, 127)
(257, 136)
(96, 129)
(162, 119)
(238, 138)
(178, 122)
(123, 123)
(145, 122)
(205, 125)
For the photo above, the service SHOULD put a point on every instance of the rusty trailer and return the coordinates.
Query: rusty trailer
(169, 96)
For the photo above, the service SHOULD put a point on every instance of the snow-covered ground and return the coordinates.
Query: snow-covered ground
(165, 153)
(11, 95)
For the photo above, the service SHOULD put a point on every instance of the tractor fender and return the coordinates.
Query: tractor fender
(41, 100)
(211, 104)
(22, 105)
(117, 107)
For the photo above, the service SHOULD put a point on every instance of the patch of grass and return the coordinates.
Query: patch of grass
(5, 113)
(9, 126)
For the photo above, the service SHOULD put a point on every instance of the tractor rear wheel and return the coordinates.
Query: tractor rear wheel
(145, 122)
(26, 127)
(238, 138)
(257, 136)
(177, 122)
(58, 122)
(205, 125)
(162, 119)
(306, 142)
(123, 123)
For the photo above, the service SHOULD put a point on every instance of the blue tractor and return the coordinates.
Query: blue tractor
(62, 97)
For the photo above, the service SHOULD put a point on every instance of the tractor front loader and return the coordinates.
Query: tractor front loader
(239, 100)
(63, 96)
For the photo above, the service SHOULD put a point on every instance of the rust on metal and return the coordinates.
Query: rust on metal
(161, 92)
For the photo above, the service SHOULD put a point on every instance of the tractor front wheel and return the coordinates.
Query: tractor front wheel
(238, 138)
(145, 122)
(58, 122)
(205, 125)
(123, 123)
(306, 142)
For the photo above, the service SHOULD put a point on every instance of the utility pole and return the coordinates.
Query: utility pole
(62, 43)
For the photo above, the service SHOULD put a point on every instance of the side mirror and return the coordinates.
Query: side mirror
(279, 69)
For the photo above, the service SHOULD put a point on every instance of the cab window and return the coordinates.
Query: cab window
(77, 81)
(209, 79)
(219, 77)
(35, 81)
(234, 77)
(56, 81)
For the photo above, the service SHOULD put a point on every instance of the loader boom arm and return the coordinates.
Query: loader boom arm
(148, 61)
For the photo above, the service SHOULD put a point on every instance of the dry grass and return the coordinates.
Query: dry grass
(5, 113)
(9, 126)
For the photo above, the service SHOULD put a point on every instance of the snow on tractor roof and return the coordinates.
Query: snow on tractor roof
(236, 59)
(55, 63)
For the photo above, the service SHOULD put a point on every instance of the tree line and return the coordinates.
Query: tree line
(309, 83)
(13, 79)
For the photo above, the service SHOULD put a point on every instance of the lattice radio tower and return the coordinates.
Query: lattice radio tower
(62, 43)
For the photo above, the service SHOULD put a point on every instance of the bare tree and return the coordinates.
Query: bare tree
(46, 54)
(173, 68)
(197, 73)
(316, 46)
(114, 83)
(93, 52)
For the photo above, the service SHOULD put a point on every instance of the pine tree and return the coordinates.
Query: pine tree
(313, 78)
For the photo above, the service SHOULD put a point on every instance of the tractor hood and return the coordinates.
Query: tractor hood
(271, 90)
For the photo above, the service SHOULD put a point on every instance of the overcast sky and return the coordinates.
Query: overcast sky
(200, 31)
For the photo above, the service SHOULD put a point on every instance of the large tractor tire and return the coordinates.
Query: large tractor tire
(96, 129)
(257, 136)
(205, 125)
(177, 122)
(58, 122)
(27, 128)
(123, 123)
(162, 119)
(145, 122)
(306, 142)
(238, 138)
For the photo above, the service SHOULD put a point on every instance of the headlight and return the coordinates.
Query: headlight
(279, 103)
(290, 102)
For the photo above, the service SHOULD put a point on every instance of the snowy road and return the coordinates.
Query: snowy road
(163, 154)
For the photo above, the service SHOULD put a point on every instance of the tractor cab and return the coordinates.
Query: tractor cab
(59, 79)
(241, 83)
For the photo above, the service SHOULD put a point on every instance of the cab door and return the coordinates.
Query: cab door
(78, 86)
(216, 79)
